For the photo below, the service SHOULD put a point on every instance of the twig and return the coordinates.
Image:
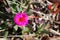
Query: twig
(12, 38)
(7, 2)
(54, 32)
(40, 13)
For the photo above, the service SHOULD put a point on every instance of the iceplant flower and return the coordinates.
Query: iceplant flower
(21, 19)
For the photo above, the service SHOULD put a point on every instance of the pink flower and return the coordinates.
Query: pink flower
(21, 19)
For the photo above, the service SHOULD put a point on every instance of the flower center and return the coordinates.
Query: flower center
(21, 19)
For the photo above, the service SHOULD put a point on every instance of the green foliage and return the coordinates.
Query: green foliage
(5, 33)
(25, 30)
(41, 29)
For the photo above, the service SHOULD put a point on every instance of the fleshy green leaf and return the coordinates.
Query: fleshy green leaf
(0, 27)
(13, 0)
(41, 29)
(5, 34)
(25, 30)
(15, 27)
